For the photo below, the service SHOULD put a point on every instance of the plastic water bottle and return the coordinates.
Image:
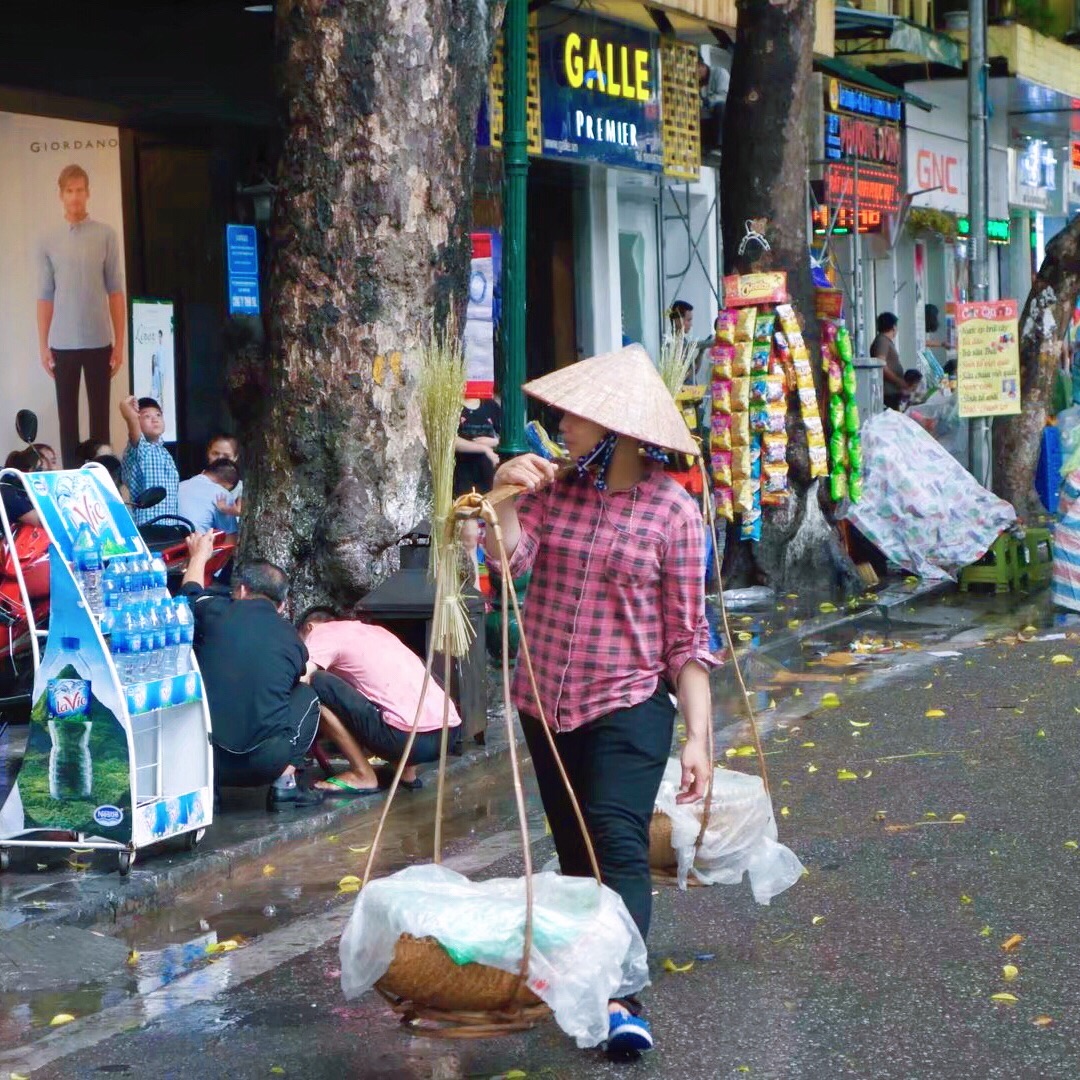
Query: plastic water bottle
(67, 706)
(155, 636)
(142, 642)
(171, 652)
(141, 578)
(112, 584)
(87, 559)
(118, 646)
(187, 636)
(159, 577)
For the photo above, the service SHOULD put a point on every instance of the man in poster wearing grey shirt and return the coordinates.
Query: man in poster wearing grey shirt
(81, 311)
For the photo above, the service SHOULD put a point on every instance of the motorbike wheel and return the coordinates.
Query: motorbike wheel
(193, 839)
(124, 861)
(5, 859)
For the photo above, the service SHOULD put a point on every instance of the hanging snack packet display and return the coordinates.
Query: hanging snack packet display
(845, 449)
(725, 327)
(722, 357)
(742, 488)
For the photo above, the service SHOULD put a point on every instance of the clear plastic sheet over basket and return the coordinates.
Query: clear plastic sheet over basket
(585, 949)
(740, 838)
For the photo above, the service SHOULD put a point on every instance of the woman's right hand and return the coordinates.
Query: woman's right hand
(529, 471)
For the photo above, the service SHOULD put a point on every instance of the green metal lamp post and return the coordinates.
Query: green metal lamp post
(515, 178)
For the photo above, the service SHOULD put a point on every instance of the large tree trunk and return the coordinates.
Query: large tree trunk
(1043, 326)
(370, 244)
(763, 180)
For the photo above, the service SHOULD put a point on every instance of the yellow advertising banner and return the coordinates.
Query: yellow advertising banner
(988, 358)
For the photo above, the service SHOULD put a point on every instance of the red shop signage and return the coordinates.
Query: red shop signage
(879, 187)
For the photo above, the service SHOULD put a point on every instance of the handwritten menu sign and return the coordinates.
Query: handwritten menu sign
(988, 360)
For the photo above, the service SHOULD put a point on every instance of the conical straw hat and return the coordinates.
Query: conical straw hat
(621, 391)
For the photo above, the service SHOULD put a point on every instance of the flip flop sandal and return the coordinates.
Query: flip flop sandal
(386, 778)
(344, 789)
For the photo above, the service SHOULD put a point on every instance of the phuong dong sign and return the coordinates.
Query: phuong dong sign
(600, 94)
(863, 147)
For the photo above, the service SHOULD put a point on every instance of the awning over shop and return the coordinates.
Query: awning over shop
(870, 35)
(851, 73)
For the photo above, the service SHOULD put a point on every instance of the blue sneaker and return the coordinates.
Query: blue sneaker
(628, 1034)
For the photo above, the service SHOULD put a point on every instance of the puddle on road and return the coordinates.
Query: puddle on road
(295, 881)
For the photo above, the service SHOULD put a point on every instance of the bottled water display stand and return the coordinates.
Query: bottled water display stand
(110, 763)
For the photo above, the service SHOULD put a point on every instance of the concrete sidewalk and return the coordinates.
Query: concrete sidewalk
(53, 887)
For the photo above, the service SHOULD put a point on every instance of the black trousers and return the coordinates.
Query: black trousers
(615, 765)
(366, 725)
(71, 365)
(266, 762)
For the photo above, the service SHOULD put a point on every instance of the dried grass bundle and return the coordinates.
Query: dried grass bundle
(676, 358)
(442, 388)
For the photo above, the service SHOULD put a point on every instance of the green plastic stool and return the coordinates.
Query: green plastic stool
(1000, 567)
(1037, 553)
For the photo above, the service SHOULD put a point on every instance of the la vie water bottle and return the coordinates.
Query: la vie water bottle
(67, 706)
(86, 556)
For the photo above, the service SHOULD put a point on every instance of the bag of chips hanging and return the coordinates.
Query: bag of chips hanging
(776, 418)
(721, 396)
(838, 484)
(843, 345)
(721, 467)
(836, 412)
(851, 417)
(774, 484)
(855, 487)
(744, 324)
(819, 461)
(804, 377)
(740, 464)
(838, 456)
(763, 329)
(740, 394)
(774, 450)
(725, 507)
(854, 449)
(722, 357)
(725, 327)
(815, 430)
(742, 360)
(759, 361)
(849, 381)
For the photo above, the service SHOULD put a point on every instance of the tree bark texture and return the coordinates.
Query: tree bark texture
(370, 243)
(1043, 326)
(763, 174)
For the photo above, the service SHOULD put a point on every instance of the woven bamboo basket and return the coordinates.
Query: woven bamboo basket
(423, 973)
(661, 853)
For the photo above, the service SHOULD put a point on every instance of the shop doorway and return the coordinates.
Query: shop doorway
(551, 312)
(639, 273)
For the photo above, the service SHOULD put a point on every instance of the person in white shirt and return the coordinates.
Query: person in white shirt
(202, 496)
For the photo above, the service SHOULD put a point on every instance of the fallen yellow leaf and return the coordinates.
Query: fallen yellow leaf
(808, 745)
(911, 580)
(859, 723)
(985, 932)
(61, 1018)
(958, 817)
(24, 1076)
(784, 811)
(1010, 943)
(830, 700)
(133, 956)
(277, 1070)
(879, 815)
(367, 847)
(817, 920)
(677, 969)
(866, 775)
(793, 624)
(930, 815)
(268, 870)
(1040, 734)
(846, 774)
(929, 686)
(515, 1074)
(744, 635)
(1008, 999)
(1009, 972)
(1060, 658)
(333, 839)
(1039, 1021)
(811, 768)
(222, 946)
(934, 714)
(965, 899)
(798, 692)
(745, 751)
(826, 607)
(1030, 630)
(1071, 845)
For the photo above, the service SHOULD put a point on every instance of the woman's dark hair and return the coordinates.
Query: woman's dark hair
(886, 321)
(224, 469)
(111, 464)
(680, 308)
(86, 451)
(26, 460)
(932, 318)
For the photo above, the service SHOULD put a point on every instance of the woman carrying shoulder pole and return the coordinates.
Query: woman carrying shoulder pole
(615, 622)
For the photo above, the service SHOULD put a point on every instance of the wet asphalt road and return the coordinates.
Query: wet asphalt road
(881, 963)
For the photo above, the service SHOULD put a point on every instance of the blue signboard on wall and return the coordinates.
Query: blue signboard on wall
(242, 263)
(600, 94)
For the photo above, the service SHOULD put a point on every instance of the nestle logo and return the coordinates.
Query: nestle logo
(108, 816)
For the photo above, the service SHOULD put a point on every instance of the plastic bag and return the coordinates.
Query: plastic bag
(753, 596)
(740, 839)
(586, 949)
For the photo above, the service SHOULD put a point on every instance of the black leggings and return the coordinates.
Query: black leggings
(615, 764)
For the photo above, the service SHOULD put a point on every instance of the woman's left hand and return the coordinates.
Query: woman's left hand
(695, 771)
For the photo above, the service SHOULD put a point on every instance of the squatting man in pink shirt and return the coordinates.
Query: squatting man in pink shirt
(369, 683)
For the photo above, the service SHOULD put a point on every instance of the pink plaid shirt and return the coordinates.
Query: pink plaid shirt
(617, 597)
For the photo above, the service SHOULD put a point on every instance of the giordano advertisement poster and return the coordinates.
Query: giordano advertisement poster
(63, 300)
(74, 775)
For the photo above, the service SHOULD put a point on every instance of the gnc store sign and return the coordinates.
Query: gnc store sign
(937, 167)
